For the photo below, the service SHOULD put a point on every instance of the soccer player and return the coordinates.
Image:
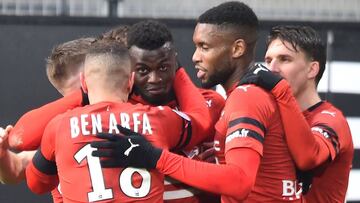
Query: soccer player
(248, 131)
(63, 67)
(108, 80)
(317, 133)
(153, 54)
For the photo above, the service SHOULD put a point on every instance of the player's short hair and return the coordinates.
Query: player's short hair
(66, 59)
(118, 34)
(236, 16)
(149, 35)
(302, 38)
(107, 47)
(109, 60)
(115, 51)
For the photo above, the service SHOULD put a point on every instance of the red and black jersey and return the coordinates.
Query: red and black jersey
(66, 142)
(251, 120)
(176, 191)
(330, 125)
(130, 116)
(249, 128)
(320, 142)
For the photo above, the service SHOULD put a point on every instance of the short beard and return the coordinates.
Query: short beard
(218, 77)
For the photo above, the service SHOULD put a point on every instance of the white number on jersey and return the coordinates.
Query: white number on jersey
(97, 179)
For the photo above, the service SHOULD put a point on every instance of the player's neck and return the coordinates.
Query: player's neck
(119, 97)
(308, 98)
(234, 78)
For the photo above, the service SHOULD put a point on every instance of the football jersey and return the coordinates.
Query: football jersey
(195, 110)
(176, 191)
(330, 125)
(251, 119)
(66, 141)
(321, 144)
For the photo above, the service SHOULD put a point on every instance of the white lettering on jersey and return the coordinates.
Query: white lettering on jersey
(243, 87)
(329, 112)
(146, 125)
(291, 190)
(243, 133)
(84, 123)
(91, 124)
(136, 122)
(74, 127)
(125, 120)
(96, 123)
(112, 124)
(321, 131)
(209, 103)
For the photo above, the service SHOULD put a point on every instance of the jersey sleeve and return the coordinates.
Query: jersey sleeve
(215, 102)
(199, 125)
(236, 178)
(247, 120)
(309, 146)
(41, 173)
(27, 134)
(170, 126)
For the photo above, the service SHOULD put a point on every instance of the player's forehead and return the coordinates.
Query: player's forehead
(163, 54)
(279, 47)
(208, 33)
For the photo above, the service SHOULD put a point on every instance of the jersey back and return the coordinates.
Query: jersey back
(81, 177)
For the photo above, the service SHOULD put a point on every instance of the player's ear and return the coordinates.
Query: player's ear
(131, 81)
(239, 47)
(83, 82)
(313, 69)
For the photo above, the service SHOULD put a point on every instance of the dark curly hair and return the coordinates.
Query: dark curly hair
(235, 16)
(148, 35)
(235, 13)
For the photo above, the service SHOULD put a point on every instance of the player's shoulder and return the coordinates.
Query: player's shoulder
(209, 93)
(212, 98)
(250, 92)
(328, 111)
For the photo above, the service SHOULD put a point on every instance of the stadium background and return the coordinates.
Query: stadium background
(27, 36)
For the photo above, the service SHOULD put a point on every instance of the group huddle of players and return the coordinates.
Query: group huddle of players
(132, 127)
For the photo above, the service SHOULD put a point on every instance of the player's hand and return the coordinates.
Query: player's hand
(260, 76)
(132, 149)
(207, 153)
(4, 143)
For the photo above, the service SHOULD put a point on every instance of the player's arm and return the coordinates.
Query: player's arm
(307, 144)
(193, 104)
(41, 173)
(12, 165)
(27, 134)
(235, 179)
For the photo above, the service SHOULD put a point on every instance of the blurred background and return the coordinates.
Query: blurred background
(30, 28)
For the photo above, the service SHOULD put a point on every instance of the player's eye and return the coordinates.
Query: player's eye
(267, 61)
(142, 70)
(164, 68)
